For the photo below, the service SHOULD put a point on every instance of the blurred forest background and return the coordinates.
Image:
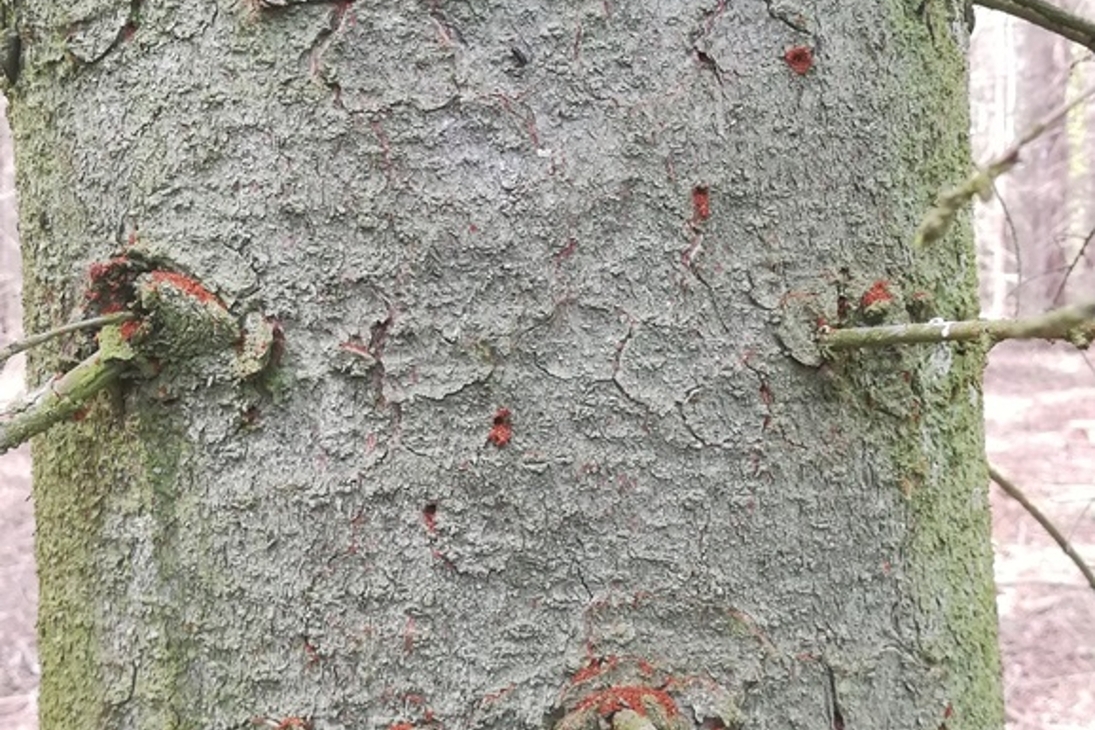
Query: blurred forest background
(1036, 251)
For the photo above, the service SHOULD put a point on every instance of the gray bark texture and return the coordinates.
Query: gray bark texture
(547, 446)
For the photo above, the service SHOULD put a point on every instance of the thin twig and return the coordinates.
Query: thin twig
(1017, 494)
(937, 221)
(1047, 16)
(1072, 266)
(1017, 250)
(1074, 323)
(34, 340)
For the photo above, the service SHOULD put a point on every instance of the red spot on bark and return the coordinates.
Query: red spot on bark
(356, 348)
(879, 293)
(594, 667)
(491, 697)
(701, 203)
(502, 431)
(129, 30)
(429, 517)
(80, 414)
(800, 59)
(614, 699)
(472, 228)
(294, 723)
(128, 329)
(567, 251)
(187, 286)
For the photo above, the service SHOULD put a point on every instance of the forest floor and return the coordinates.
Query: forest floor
(1040, 416)
(1040, 426)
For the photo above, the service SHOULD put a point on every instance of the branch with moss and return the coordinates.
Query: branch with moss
(1049, 17)
(173, 318)
(58, 400)
(937, 221)
(1076, 324)
(1017, 494)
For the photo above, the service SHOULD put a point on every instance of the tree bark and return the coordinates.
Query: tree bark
(547, 445)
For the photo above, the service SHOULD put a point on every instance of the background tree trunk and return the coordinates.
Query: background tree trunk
(617, 222)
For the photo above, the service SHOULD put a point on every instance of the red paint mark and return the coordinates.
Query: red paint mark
(800, 59)
(594, 667)
(566, 251)
(187, 286)
(289, 723)
(614, 699)
(645, 668)
(295, 722)
(491, 697)
(502, 431)
(128, 329)
(356, 348)
(701, 204)
(429, 517)
(472, 228)
(879, 293)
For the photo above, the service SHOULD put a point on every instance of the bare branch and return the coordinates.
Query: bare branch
(1047, 16)
(1017, 494)
(34, 340)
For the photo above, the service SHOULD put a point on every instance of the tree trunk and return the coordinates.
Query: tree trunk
(548, 444)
